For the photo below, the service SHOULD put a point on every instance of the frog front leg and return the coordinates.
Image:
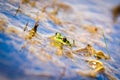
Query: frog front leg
(60, 50)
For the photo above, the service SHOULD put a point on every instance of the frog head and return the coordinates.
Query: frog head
(62, 39)
(58, 35)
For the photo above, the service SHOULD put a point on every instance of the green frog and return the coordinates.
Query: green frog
(59, 41)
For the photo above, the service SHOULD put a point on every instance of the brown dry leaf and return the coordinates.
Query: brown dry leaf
(49, 57)
(12, 30)
(72, 28)
(69, 54)
(83, 40)
(64, 6)
(43, 10)
(45, 54)
(2, 24)
(97, 67)
(90, 51)
(37, 18)
(35, 42)
(95, 64)
(116, 12)
(54, 19)
(32, 3)
(33, 31)
(54, 12)
(101, 54)
(87, 51)
(25, 1)
(30, 35)
(91, 29)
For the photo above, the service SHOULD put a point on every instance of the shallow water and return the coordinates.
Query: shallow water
(38, 61)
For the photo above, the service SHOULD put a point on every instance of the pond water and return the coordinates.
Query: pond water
(35, 59)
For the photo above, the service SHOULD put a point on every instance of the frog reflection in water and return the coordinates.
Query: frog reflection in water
(59, 41)
(90, 51)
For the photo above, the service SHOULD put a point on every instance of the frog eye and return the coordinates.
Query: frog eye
(64, 39)
(57, 33)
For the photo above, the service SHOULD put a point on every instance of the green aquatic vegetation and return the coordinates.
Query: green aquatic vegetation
(55, 19)
(106, 45)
